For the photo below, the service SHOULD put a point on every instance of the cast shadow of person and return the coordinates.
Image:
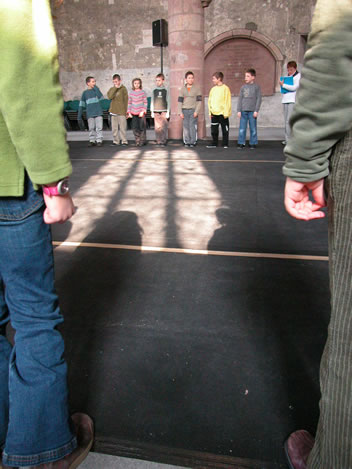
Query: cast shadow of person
(237, 231)
(279, 310)
(94, 285)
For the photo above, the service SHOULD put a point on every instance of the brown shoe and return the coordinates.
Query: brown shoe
(85, 435)
(297, 448)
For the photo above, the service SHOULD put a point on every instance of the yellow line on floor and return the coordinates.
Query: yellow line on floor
(202, 252)
(145, 160)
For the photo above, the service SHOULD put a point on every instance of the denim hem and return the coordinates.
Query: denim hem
(41, 458)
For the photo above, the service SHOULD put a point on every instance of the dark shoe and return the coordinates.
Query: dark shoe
(99, 144)
(91, 144)
(84, 429)
(124, 144)
(113, 144)
(211, 145)
(252, 147)
(297, 448)
(191, 145)
(240, 146)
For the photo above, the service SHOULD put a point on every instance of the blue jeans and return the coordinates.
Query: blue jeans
(34, 419)
(189, 126)
(247, 116)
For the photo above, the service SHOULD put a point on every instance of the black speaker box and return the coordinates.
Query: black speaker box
(159, 28)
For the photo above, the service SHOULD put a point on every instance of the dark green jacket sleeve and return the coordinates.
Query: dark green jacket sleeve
(125, 98)
(32, 134)
(323, 111)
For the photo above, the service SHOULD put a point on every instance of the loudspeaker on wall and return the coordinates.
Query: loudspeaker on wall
(160, 33)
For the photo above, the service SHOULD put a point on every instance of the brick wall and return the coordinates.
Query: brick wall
(233, 57)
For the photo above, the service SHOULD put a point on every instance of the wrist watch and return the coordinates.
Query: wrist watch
(61, 188)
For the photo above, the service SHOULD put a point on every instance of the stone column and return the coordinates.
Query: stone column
(186, 52)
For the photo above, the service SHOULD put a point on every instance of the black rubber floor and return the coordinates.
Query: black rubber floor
(209, 353)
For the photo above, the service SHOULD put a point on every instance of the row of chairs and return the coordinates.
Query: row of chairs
(71, 114)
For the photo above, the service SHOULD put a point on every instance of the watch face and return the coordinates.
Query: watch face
(63, 187)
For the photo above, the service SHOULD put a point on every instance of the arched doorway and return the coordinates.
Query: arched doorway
(232, 54)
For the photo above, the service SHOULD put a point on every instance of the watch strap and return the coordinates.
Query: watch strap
(61, 188)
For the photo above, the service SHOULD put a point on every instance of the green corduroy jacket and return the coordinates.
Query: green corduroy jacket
(323, 111)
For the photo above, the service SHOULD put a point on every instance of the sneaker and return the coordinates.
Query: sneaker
(91, 144)
(240, 146)
(191, 145)
(212, 145)
(84, 429)
(99, 144)
(225, 146)
(252, 147)
(284, 142)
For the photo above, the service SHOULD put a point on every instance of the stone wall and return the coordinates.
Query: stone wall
(103, 37)
(284, 21)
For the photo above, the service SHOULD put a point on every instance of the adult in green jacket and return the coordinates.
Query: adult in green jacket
(318, 158)
(35, 426)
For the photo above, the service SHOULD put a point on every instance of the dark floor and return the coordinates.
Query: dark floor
(201, 354)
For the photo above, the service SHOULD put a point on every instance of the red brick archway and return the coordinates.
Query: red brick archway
(233, 52)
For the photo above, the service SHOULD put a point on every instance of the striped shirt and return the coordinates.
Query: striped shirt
(90, 102)
(137, 102)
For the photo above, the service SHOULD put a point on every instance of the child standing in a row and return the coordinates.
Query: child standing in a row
(160, 110)
(119, 97)
(219, 104)
(189, 105)
(248, 106)
(90, 103)
(137, 109)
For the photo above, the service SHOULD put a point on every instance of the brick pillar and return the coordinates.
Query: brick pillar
(186, 52)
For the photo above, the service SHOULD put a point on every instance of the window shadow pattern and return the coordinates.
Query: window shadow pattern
(207, 353)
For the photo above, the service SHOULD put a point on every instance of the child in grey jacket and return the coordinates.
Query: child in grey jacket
(248, 106)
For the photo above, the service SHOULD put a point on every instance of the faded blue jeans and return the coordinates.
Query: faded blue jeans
(189, 126)
(34, 420)
(95, 126)
(247, 116)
